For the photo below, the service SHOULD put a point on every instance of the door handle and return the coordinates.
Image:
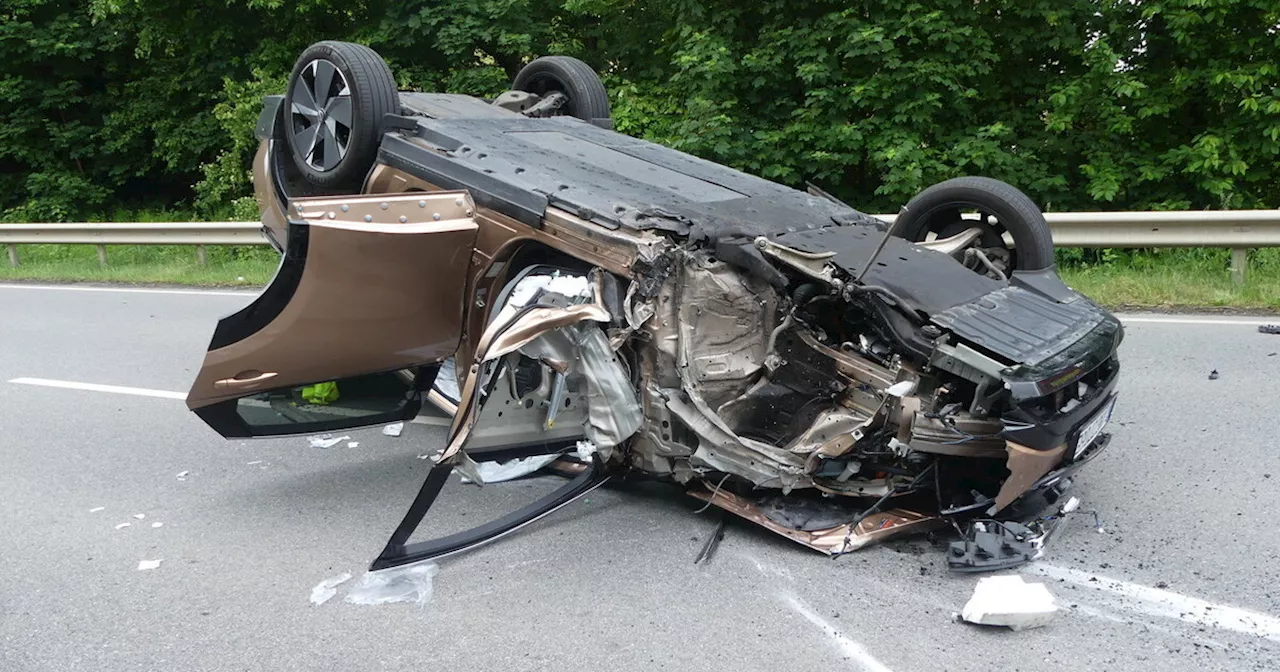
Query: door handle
(236, 383)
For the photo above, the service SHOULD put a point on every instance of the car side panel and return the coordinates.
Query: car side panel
(371, 297)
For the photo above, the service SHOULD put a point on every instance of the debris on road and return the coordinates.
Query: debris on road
(498, 472)
(353, 444)
(328, 588)
(1213, 375)
(991, 545)
(121, 526)
(1010, 602)
(183, 474)
(326, 441)
(96, 509)
(254, 462)
(157, 524)
(393, 429)
(426, 456)
(139, 516)
(149, 564)
(409, 583)
(1269, 328)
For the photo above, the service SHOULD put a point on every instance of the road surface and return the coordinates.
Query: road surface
(1183, 576)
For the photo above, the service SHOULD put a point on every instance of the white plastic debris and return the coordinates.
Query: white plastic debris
(410, 583)
(901, 388)
(427, 456)
(583, 450)
(497, 472)
(96, 509)
(393, 429)
(353, 444)
(139, 516)
(183, 474)
(121, 526)
(326, 441)
(149, 564)
(328, 588)
(1010, 602)
(254, 462)
(157, 524)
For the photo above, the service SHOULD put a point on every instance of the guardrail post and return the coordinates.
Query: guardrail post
(1239, 264)
(200, 258)
(13, 255)
(102, 256)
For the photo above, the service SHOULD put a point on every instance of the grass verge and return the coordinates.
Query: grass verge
(144, 264)
(1183, 282)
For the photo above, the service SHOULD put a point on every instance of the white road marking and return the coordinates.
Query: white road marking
(1166, 603)
(132, 290)
(1197, 320)
(855, 651)
(94, 387)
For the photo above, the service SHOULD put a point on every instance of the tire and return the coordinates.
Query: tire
(936, 210)
(587, 98)
(337, 156)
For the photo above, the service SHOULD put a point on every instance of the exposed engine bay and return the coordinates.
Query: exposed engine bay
(796, 410)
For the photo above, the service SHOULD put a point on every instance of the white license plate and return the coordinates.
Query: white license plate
(1093, 428)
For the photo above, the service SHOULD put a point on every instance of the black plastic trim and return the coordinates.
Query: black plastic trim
(269, 122)
(397, 552)
(524, 205)
(257, 315)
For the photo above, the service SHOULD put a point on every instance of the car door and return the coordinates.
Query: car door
(367, 301)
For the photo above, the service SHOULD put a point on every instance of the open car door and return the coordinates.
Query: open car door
(367, 301)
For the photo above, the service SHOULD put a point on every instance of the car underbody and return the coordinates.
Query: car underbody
(635, 310)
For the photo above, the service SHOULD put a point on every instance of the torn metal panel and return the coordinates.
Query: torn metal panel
(723, 317)
(1026, 465)
(831, 540)
(613, 412)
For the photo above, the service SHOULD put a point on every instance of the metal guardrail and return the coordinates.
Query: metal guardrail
(1235, 229)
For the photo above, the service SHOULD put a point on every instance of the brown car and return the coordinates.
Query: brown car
(563, 290)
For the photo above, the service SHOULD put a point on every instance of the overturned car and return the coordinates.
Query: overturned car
(560, 289)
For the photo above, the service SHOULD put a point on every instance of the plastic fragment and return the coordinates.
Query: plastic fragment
(410, 583)
(328, 588)
(121, 526)
(427, 456)
(96, 509)
(139, 516)
(183, 473)
(1010, 602)
(157, 524)
(353, 444)
(497, 472)
(254, 462)
(393, 429)
(1213, 375)
(149, 564)
(326, 441)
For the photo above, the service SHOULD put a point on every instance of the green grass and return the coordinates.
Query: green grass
(1170, 279)
(144, 264)
(1175, 287)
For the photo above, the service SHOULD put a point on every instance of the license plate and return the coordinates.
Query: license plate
(1093, 428)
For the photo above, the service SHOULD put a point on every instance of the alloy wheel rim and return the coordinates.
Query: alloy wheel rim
(321, 109)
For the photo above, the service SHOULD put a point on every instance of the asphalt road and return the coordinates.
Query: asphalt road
(1184, 575)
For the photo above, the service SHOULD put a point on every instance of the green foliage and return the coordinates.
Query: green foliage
(1085, 104)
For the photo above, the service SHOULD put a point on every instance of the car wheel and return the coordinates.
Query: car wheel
(989, 225)
(338, 94)
(585, 94)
